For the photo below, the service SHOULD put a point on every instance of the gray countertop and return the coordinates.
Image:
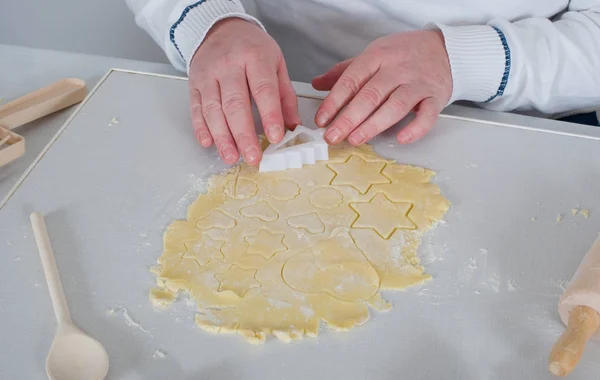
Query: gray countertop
(23, 70)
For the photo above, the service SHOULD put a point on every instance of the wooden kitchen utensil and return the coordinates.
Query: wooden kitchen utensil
(579, 309)
(31, 107)
(73, 355)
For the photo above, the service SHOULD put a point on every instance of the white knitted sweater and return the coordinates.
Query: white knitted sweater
(505, 54)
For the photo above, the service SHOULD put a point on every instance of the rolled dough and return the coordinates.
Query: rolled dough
(278, 252)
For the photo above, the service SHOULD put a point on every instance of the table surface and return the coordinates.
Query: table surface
(500, 262)
(25, 70)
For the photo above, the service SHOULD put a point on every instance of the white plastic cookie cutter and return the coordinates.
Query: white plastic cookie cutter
(302, 146)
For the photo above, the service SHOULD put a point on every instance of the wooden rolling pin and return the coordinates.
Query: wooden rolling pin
(579, 309)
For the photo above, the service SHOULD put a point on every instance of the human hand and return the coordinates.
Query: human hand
(237, 59)
(391, 77)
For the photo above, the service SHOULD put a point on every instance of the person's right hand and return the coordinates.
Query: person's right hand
(236, 59)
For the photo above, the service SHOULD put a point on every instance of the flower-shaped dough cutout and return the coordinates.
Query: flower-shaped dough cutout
(283, 189)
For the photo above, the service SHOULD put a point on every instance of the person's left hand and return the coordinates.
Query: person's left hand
(394, 75)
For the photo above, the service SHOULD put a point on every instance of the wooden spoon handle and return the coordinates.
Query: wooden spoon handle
(583, 323)
(42, 102)
(57, 294)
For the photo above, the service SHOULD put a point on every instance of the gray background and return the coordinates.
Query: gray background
(104, 27)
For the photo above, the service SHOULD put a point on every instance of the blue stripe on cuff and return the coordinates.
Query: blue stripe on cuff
(507, 64)
(179, 21)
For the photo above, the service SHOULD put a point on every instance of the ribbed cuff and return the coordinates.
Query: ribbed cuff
(479, 59)
(188, 32)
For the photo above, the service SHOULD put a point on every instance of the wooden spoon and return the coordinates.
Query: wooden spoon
(73, 355)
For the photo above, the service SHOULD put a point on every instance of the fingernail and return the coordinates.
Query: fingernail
(405, 138)
(333, 135)
(358, 138)
(203, 138)
(322, 119)
(251, 154)
(274, 132)
(228, 153)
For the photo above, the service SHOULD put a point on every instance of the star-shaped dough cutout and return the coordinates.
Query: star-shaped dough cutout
(383, 216)
(238, 280)
(265, 243)
(346, 173)
(204, 250)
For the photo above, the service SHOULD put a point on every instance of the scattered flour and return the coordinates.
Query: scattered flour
(299, 296)
(207, 315)
(128, 318)
(466, 274)
(562, 284)
(278, 304)
(159, 354)
(131, 322)
(189, 302)
(494, 282)
(308, 313)
(431, 252)
(472, 263)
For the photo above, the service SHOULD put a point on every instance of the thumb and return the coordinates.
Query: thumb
(326, 81)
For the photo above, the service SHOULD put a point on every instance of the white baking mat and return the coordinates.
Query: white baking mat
(500, 261)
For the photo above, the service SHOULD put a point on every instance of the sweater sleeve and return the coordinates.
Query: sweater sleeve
(180, 26)
(530, 64)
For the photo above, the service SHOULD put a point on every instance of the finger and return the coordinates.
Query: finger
(325, 82)
(200, 128)
(427, 113)
(217, 125)
(265, 91)
(238, 114)
(345, 88)
(397, 106)
(289, 99)
(367, 101)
